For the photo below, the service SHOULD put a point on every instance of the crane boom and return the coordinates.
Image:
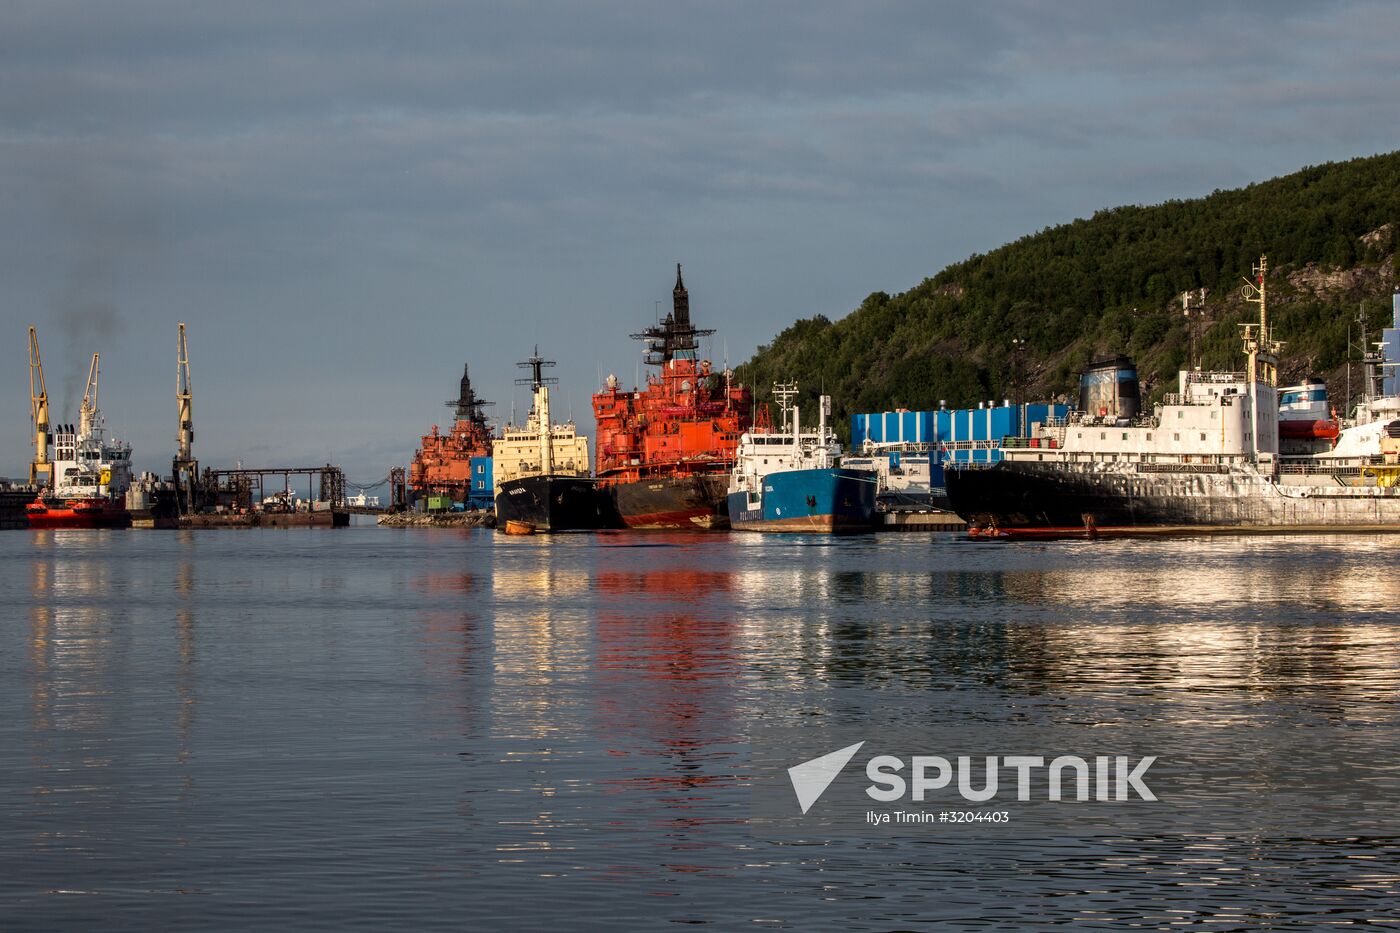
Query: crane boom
(38, 411)
(185, 468)
(87, 412)
(184, 440)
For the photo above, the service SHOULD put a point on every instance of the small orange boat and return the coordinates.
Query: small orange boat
(514, 527)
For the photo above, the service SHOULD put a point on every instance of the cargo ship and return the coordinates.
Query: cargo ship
(88, 473)
(541, 469)
(665, 451)
(456, 465)
(1208, 458)
(787, 480)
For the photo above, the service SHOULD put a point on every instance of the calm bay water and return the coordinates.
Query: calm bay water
(368, 727)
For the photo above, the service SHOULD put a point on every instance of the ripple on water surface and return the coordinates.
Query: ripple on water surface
(432, 728)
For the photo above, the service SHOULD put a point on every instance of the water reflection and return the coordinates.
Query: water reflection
(185, 670)
(1217, 616)
(71, 660)
(552, 732)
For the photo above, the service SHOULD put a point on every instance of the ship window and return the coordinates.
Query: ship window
(1103, 435)
(1149, 435)
(1180, 413)
(1176, 437)
(1203, 435)
(1125, 435)
(1213, 413)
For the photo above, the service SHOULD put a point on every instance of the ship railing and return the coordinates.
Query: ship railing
(1183, 468)
(971, 445)
(1085, 420)
(1048, 442)
(1213, 378)
(1176, 398)
(899, 447)
(1351, 466)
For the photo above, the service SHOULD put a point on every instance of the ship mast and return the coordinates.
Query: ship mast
(783, 393)
(38, 413)
(466, 405)
(1261, 350)
(539, 385)
(674, 338)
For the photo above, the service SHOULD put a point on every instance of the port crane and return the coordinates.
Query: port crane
(39, 414)
(185, 468)
(87, 412)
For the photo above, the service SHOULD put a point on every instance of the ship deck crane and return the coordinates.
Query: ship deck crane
(87, 412)
(39, 414)
(185, 469)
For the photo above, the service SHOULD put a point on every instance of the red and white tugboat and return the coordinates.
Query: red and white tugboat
(89, 473)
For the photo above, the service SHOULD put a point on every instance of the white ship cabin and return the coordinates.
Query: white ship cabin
(787, 448)
(898, 467)
(1213, 418)
(538, 447)
(89, 465)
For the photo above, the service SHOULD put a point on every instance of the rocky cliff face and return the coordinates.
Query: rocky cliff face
(1332, 284)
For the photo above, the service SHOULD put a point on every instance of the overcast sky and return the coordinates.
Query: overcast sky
(347, 201)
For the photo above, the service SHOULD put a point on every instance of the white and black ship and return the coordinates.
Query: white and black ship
(1223, 453)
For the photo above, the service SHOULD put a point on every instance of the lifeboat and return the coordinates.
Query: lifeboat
(1309, 429)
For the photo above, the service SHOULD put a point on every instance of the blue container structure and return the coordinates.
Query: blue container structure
(482, 494)
(963, 435)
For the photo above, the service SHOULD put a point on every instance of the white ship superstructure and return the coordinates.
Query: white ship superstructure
(86, 462)
(787, 448)
(1207, 456)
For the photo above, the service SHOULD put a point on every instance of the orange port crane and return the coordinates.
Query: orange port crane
(38, 413)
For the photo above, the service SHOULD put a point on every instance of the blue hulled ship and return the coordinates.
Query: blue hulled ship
(785, 480)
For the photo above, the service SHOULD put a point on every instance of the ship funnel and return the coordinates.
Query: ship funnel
(1109, 389)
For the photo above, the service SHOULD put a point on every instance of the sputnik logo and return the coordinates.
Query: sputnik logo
(811, 778)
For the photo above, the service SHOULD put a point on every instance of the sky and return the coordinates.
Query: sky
(347, 201)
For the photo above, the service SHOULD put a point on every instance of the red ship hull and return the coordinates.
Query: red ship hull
(77, 513)
(697, 501)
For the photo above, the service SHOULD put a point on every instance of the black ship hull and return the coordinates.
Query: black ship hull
(12, 503)
(1147, 498)
(695, 501)
(1007, 498)
(556, 503)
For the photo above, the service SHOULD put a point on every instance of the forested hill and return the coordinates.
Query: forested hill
(1111, 284)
